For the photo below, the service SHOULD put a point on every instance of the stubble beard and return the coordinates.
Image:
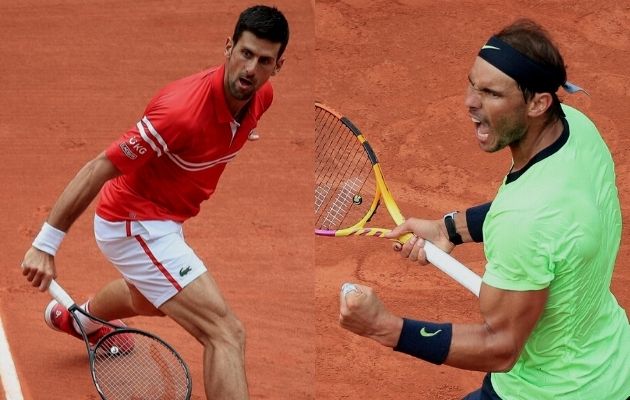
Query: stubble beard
(508, 135)
(237, 93)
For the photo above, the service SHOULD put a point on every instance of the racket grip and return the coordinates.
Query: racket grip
(453, 268)
(59, 294)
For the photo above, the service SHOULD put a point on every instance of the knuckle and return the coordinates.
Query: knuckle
(351, 306)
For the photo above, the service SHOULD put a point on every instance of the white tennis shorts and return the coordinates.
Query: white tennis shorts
(151, 255)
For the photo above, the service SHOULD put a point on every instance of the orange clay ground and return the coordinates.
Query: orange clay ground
(76, 75)
(398, 70)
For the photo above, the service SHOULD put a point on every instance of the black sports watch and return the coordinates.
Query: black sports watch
(449, 222)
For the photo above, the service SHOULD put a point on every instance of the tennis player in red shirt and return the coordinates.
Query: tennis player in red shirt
(154, 178)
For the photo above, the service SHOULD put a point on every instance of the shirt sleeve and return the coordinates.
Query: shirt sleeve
(152, 137)
(520, 252)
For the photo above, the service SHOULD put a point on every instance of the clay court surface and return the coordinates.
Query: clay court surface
(75, 75)
(399, 70)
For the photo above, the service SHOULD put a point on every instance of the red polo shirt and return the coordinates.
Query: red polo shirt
(171, 160)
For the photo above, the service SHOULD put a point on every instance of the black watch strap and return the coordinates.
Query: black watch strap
(449, 222)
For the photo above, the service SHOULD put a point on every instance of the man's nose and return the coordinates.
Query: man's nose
(472, 100)
(250, 66)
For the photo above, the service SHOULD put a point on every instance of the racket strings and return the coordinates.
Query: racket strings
(135, 366)
(344, 170)
(344, 188)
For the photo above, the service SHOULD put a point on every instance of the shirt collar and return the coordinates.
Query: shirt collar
(218, 96)
(544, 153)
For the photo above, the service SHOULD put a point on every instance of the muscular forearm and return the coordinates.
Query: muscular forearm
(80, 192)
(492, 345)
(466, 346)
(476, 347)
(38, 265)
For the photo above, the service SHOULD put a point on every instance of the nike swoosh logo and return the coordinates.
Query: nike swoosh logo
(490, 47)
(424, 333)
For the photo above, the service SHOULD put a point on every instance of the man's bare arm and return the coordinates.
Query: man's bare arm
(39, 266)
(509, 317)
(80, 192)
(492, 345)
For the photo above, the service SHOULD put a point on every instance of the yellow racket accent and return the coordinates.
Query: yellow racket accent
(349, 187)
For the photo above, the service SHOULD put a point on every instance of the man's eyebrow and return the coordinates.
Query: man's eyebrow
(260, 56)
(484, 89)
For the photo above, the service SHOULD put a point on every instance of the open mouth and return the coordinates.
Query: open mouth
(481, 129)
(246, 83)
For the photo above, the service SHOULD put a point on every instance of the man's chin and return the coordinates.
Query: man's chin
(242, 96)
(490, 147)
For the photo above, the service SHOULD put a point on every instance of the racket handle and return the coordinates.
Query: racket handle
(453, 268)
(59, 294)
(447, 264)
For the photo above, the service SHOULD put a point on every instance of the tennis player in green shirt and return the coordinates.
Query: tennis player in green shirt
(551, 327)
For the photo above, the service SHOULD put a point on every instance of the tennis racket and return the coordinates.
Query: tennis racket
(350, 186)
(130, 364)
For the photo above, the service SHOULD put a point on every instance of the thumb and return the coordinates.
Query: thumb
(350, 292)
(348, 288)
(397, 231)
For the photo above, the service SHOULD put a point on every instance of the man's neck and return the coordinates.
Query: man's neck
(539, 136)
(237, 107)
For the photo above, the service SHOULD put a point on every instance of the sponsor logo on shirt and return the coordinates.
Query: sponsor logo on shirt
(132, 148)
(127, 151)
(135, 144)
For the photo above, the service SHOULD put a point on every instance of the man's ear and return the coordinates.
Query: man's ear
(228, 47)
(278, 66)
(539, 104)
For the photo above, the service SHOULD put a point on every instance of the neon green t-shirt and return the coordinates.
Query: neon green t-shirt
(557, 224)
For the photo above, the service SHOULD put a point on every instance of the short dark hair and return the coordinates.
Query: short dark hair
(534, 41)
(265, 23)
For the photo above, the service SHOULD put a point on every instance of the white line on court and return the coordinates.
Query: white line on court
(9, 378)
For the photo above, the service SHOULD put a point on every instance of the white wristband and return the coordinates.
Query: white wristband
(49, 239)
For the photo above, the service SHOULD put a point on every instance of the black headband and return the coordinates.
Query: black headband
(526, 72)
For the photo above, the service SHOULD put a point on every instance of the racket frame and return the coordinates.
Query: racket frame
(436, 256)
(382, 191)
(63, 298)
